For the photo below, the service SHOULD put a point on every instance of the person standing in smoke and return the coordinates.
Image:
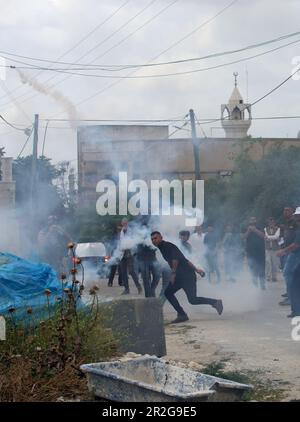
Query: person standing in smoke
(183, 277)
(127, 263)
(197, 243)
(232, 252)
(114, 247)
(149, 267)
(255, 251)
(52, 241)
(211, 254)
(185, 246)
(272, 234)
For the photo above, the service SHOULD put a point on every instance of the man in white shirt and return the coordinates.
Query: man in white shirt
(272, 234)
(198, 247)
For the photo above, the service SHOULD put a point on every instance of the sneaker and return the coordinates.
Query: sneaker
(109, 284)
(126, 292)
(284, 295)
(219, 306)
(285, 302)
(180, 318)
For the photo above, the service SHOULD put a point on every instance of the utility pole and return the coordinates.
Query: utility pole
(196, 148)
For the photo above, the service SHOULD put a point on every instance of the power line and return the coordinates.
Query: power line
(176, 73)
(164, 51)
(173, 45)
(8, 92)
(88, 52)
(44, 140)
(26, 142)
(118, 67)
(11, 125)
(84, 38)
(199, 124)
(175, 119)
(85, 66)
(199, 121)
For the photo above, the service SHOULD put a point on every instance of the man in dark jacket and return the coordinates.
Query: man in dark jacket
(183, 277)
(149, 267)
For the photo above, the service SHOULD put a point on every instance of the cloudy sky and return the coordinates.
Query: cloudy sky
(112, 32)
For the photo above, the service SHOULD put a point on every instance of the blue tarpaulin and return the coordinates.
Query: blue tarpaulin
(23, 284)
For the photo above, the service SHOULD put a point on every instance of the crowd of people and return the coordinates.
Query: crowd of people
(267, 250)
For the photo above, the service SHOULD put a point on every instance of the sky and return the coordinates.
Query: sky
(112, 32)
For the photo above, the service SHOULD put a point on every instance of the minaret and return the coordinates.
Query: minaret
(233, 114)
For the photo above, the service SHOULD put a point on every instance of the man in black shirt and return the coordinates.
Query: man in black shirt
(183, 277)
(211, 254)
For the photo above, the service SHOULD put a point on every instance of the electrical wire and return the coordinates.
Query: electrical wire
(44, 140)
(26, 142)
(10, 124)
(118, 67)
(89, 51)
(82, 39)
(156, 57)
(176, 73)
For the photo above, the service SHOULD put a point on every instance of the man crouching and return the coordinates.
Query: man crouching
(183, 277)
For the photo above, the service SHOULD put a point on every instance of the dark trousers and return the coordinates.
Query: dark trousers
(257, 269)
(150, 269)
(212, 264)
(165, 280)
(127, 266)
(187, 282)
(112, 273)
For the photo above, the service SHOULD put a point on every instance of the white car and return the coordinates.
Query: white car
(93, 255)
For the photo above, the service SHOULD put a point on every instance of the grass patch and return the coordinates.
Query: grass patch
(262, 390)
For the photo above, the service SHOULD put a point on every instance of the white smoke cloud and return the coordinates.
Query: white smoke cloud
(56, 95)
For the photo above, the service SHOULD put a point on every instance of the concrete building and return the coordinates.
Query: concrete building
(146, 152)
(9, 223)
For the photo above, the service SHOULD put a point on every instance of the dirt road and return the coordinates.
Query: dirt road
(257, 339)
(253, 334)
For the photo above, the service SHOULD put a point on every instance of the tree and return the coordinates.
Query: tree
(260, 188)
(48, 199)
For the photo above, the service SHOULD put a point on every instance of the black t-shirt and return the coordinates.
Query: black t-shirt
(255, 245)
(170, 252)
